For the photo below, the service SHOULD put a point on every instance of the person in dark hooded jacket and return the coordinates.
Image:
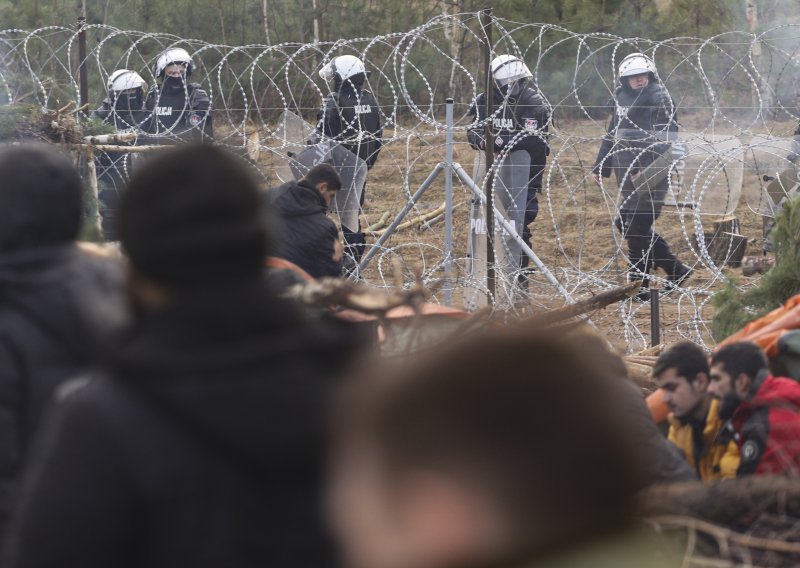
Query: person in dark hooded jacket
(199, 442)
(642, 126)
(56, 302)
(308, 238)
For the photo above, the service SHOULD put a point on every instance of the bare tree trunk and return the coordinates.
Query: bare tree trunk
(317, 20)
(264, 19)
(221, 21)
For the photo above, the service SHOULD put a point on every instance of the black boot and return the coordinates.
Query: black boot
(679, 274)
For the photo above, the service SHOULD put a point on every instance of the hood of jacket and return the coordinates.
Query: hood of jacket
(297, 199)
(240, 369)
(76, 298)
(775, 391)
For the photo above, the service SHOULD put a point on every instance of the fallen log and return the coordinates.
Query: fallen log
(128, 149)
(382, 222)
(326, 292)
(115, 139)
(594, 303)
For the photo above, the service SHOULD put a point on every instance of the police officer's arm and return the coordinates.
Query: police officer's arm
(103, 112)
(200, 117)
(329, 123)
(602, 165)
(377, 133)
(475, 133)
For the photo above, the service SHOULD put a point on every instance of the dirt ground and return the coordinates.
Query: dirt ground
(573, 235)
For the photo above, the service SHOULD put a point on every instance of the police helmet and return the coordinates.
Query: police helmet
(124, 80)
(173, 55)
(636, 64)
(341, 68)
(507, 69)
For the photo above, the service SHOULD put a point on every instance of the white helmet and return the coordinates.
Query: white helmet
(636, 64)
(341, 68)
(124, 79)
(173, 55)
(509, 68)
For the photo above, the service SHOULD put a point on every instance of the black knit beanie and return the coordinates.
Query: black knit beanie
(40, 198)
(191, 217)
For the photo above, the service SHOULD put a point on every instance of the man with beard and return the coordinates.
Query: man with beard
(636, 148)
(695, 426)
(763, 410)
(199, 442)
(180, 110)
(123, 109)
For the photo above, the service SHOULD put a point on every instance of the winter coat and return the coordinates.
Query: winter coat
(56, 305)
(200, 444)
(179, 111)
(353, 119)
(768, 428)
(306, 236)
(641, 126)
(718, 456)
(524, 119)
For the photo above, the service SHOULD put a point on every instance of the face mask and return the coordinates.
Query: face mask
(174, 83)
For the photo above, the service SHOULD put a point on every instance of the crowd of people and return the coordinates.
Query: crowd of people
(175, 410)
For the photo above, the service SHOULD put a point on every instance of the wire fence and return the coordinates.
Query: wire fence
(737, 108)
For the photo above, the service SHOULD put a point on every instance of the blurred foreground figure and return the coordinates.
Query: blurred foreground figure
(56, 302)
(200, 443)
(763, 410)
(502, 450)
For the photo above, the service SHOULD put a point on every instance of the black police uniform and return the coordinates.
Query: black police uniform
(523, 114)
(350, 115)
(179, 112)
(125, 113)
(639, 132)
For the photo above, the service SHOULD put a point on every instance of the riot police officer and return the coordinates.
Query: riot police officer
(522, 118)
(350, 116)
(637, 149)
(180, 110)
(123, 108)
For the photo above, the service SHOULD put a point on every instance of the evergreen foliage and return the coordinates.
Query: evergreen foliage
(733, 309)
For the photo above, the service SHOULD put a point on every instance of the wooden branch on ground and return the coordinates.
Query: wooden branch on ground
(419, 220)
(733, 502)
(584, 306)
(384, 220)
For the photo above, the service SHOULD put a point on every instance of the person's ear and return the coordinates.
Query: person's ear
(701, 382)
(742, 384)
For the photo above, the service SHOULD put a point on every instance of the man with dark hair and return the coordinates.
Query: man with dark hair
(308, 238)
(460, 459)
(200, 441)
(56, 302)
(695, 425)
(763, 410)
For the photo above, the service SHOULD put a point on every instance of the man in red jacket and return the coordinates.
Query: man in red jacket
(763, 410)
